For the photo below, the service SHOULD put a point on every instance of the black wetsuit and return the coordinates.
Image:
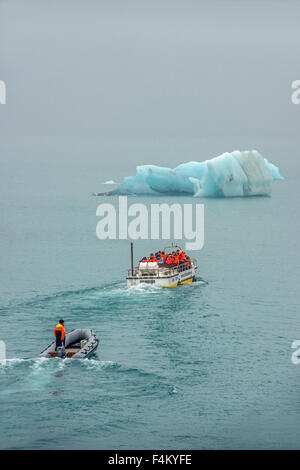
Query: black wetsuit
(59, 341)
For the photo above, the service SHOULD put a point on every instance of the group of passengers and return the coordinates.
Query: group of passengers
(170, 260)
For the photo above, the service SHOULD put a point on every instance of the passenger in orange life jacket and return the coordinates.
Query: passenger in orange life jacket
(173, 261)
(159, 258)
(59, 333)
(169, 260)
(151, 258)
(175, 256)
(163, 258)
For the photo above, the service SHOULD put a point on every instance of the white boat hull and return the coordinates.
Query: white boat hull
(165, 278)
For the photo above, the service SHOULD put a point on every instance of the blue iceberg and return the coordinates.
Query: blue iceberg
(238, 173)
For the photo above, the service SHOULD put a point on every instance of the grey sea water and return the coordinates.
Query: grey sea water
(206, 365)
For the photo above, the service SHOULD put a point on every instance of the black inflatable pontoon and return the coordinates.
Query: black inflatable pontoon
(79, 344)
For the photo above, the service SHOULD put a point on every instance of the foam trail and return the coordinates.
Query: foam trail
(237, 173)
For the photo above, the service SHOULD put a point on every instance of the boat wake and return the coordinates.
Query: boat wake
(81, 296)
(42, 363)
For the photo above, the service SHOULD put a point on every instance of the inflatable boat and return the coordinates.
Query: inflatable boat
(79, 344)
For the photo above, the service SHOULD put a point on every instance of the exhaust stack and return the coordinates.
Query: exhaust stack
(131, 258)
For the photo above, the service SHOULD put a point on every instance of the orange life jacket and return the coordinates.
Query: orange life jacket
(60, 327)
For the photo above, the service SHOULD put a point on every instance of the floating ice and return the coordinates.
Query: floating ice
(110, 182)
(237, 173)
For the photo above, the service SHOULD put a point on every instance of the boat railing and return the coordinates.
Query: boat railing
(160, 271)
(152, 272)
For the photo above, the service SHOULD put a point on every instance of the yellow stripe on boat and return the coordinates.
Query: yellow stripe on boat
(182, 282)
(188, 280)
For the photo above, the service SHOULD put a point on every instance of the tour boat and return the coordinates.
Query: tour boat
(161, 275)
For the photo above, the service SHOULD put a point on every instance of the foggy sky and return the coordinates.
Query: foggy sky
(149, 69)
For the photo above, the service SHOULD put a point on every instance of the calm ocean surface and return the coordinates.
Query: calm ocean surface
(206, 365)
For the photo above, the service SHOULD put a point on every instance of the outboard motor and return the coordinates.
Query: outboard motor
(61, 352)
